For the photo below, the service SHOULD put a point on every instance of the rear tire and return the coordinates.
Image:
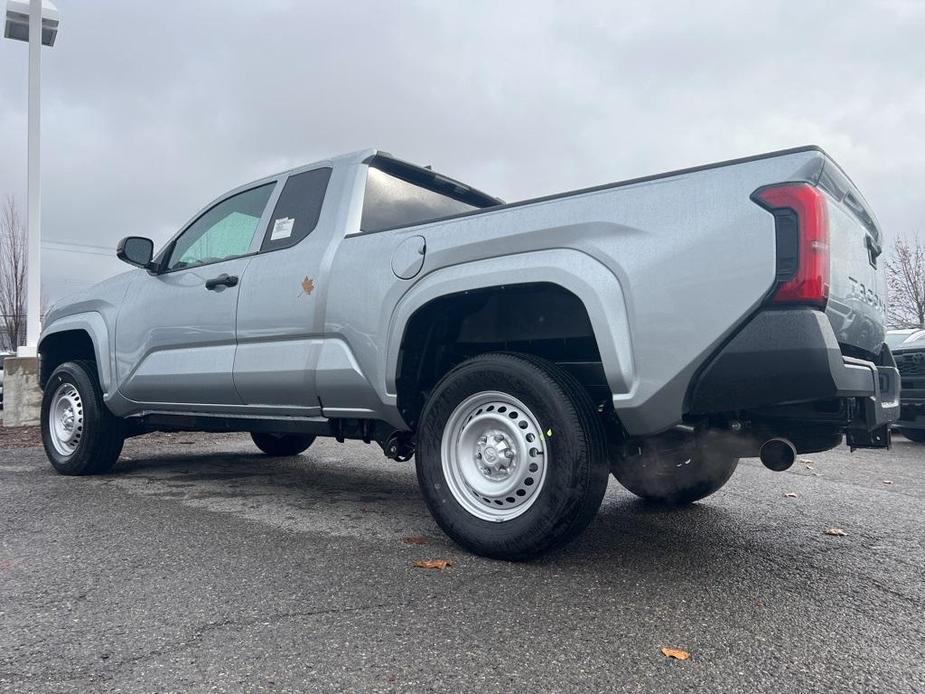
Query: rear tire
(915, 435)
(80, 435)
(511, 456)
(674, 472)
(282, 445)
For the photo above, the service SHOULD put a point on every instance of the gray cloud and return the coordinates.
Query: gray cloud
(151, 110)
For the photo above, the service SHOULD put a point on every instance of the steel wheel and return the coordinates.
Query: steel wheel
(511, 456)
(494, 456)
(66, 423)
(79, 433)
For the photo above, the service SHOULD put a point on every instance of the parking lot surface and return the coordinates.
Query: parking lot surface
(200, 565)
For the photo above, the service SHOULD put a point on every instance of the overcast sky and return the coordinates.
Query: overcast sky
(151, 109)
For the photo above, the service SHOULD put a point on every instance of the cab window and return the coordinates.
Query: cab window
(298, 209)
(224, 231)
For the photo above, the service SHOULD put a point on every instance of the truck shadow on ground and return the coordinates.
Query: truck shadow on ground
(723, 551)
(283, 473)
(380, 497)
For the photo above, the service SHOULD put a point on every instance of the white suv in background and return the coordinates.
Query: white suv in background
(894, 338)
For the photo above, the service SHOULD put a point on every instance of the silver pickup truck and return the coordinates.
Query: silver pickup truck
(658, 329)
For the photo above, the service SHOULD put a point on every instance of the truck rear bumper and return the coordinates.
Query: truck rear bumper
(789, 357)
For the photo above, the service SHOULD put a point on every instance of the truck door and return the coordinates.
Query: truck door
(280, 309)
(175, 332)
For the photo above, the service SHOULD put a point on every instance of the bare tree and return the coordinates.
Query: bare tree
(13, 261)
(906, 280)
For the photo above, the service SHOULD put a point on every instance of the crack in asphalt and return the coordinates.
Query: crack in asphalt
(197, 635)
(200, 632)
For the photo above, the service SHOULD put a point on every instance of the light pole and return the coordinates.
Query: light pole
(35, 21)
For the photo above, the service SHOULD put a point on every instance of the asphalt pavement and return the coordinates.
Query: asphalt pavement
(200, 565)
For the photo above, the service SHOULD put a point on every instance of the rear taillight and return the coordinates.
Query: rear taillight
(802, 225)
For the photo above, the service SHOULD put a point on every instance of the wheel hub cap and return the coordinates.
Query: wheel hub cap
(65, 419)
(494, 456)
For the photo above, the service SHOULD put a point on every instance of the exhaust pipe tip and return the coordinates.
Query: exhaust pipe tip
(778, 454)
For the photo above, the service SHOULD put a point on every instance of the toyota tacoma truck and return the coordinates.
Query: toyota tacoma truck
(658, 329)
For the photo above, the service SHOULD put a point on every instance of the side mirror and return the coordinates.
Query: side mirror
(136, 250)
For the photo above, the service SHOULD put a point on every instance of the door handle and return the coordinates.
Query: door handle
(222, 280)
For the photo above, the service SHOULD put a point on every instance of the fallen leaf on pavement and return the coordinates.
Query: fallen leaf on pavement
(888, 481)
(838, 532)
(417, 540)
(675, 653)
(807, 461)
(438, 564)
(791, 495)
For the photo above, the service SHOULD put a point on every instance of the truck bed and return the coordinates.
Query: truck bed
(669, 267)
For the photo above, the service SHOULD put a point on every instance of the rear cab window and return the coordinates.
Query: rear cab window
(400, 194)
(297, 210)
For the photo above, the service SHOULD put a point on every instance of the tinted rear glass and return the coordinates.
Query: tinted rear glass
(393, 202)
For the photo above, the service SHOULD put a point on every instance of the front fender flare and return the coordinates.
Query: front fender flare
(93, 324)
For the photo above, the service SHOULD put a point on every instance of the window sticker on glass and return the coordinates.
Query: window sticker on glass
(282, 228)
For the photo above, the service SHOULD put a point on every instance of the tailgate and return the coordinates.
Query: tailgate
(857, 289)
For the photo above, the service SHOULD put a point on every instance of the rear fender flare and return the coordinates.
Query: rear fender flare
(587, 278)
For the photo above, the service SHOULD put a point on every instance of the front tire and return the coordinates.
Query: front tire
(511, 456)
(80, 435)
(674, 471)
(282, 445)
